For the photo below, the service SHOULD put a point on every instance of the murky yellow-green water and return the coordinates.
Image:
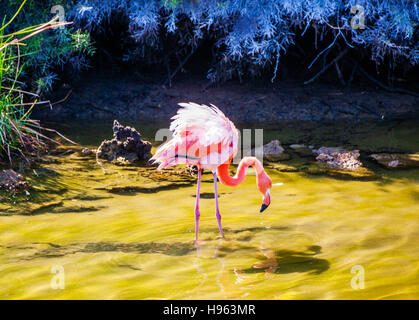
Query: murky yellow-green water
(127, 232)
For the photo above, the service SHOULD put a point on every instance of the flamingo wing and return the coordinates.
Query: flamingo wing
(202, 135)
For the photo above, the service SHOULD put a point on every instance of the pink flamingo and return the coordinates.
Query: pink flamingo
(205, 137)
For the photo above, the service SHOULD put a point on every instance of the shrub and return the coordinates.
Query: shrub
(18, 133)
(245, 37)
(249, 35)
(47, 54)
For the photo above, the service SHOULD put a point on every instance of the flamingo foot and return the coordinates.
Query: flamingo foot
(199, 242)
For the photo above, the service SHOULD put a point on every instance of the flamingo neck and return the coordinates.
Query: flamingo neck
(246, 162)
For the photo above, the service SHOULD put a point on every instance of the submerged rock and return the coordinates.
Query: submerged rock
(125, 147)
(302, 150)
(397, 160)
(272, 151)
(86, 151)
(296, 146)
(362, 174)
(283, 167)
(338, 158)
(328, 150)
(12, 181)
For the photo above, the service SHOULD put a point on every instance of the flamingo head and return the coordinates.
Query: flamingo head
(264, 184)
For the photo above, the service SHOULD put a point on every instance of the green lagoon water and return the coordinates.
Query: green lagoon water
(127, 232)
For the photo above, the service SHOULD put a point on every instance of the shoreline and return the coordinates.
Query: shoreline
(109, 97)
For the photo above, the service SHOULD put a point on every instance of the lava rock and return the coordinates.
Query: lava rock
(272, 151)
(338, 158)
(397, 160)
(86, 151)
(126, 146)
(12, 181)
(321, 169)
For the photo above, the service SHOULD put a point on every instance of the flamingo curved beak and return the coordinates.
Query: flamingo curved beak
(266, 200)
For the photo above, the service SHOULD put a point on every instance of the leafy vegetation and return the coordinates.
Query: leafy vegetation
(46, 55)
(18, 133)
(244, 38)
(248, 36)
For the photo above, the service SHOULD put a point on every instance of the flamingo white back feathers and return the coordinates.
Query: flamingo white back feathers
(202, 135)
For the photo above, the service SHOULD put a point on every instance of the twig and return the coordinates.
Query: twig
(180, 66)
(63, 99)
(13, 80)
(351, 77)
(327, 66)
(57, 133)
(340, 76)
(30, 103)
(179, 60)
(327, 48)
(20, 91)
(55, 102)
(383, 86)
(65, 152)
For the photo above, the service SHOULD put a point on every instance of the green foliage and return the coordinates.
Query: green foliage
(171, 3)
(15, 124)
(81, 43)
(248, 36)
(50, 51)
(18, 133)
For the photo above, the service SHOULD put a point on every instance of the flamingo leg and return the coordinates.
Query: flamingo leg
(197, 214)
(217, 211)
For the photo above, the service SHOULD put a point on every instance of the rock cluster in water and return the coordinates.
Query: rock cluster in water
(336, 157)
(12, 181)
(272, 151)
(397, 160)
(126, 146)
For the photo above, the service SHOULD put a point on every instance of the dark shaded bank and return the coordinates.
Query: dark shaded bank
(135, 98)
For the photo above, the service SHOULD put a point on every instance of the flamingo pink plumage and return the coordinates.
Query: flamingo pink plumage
(205, 137)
